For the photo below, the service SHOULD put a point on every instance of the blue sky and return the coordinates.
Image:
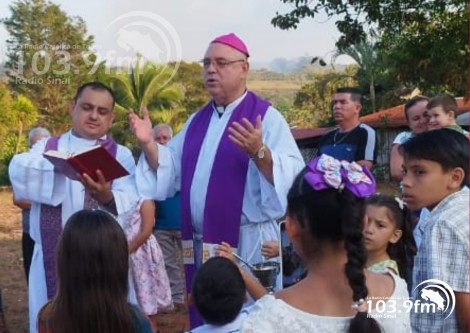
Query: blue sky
(181, 29)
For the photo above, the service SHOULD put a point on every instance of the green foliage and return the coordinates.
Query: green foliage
(6, 116)
(7, 151)
(433, 54)
(146, 84)
(175, 118)
(25, 115)
(365, 54)
(48, 57)
(18, 113)
(189, 77)
(312, 105)
(423, 43)
(354, 17)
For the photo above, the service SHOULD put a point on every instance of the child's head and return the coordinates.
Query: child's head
(435, 165)
(416, 114)
(325, 211)
(92, 254)
(442, 110)
(389, 228)
(92, 266)
(218, 291)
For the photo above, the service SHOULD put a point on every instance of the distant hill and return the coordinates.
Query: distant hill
(284, 65)
(277, 87)
(280, 86)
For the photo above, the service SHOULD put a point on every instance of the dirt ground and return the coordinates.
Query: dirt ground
(13, 282)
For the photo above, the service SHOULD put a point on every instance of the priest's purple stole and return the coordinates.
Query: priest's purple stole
(50, 222)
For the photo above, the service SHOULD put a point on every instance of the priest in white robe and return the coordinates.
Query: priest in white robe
(234, 162)
(35, 179)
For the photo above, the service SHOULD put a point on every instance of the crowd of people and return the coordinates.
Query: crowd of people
(106, 256)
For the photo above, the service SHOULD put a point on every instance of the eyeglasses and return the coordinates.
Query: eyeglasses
(219, 63)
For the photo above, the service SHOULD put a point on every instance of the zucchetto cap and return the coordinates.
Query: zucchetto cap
(233, 41)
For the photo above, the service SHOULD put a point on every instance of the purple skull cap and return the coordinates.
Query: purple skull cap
(233, 41)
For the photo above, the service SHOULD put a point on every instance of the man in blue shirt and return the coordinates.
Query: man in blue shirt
(351, 140)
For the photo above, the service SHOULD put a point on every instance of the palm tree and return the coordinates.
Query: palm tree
(366, 56)
(145, 84)
(25, 115)
(175, 118)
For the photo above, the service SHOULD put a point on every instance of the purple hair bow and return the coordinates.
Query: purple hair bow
(326, 171)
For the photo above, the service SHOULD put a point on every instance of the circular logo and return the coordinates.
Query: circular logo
(437, 293)
(144, 35)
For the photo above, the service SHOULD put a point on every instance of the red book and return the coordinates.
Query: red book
(87, 161)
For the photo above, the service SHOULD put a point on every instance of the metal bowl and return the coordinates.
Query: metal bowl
(266, 273)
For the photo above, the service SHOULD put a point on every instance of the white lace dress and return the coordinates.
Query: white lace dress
(271, 315)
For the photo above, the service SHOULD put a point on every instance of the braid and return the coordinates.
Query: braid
(352, 214)
(405, 249)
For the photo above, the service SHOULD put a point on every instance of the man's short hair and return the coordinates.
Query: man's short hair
(447, 147)
(218, 291)
(94, 85)
(356, 94)
(446, 101)
(157, 128)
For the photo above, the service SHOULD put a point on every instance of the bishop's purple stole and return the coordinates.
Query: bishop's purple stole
(225, 192)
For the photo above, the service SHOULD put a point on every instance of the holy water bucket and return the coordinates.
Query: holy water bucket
(266, 273)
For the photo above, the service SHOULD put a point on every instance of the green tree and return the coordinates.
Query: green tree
(426, 42)
(25, 116)
(6, 116)
(175, 118)
(146, 84)
(189, 77)
(312, 105)
(365, 55)
(18, 114)
(353, 18)
(48, 56)
(433, 54)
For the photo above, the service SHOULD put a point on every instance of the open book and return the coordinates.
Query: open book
(86, 161)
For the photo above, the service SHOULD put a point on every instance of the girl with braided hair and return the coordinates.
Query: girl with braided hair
(325, 218)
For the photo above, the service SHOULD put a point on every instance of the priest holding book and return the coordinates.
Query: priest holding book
(233, 161)
(55, 197)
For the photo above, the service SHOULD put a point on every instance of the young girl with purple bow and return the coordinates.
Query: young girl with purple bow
(325, 216)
